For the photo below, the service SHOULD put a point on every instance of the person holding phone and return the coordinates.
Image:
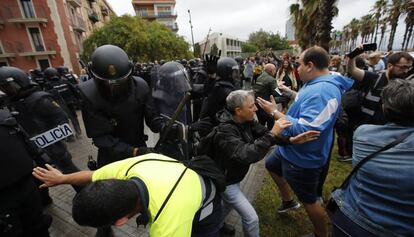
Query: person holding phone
(372, 84)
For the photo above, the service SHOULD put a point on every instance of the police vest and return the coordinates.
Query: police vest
(372, 102)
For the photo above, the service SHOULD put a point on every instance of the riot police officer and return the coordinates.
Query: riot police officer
(169, 90)
(21, 207)
(115, 104)
(37, 113)
(65, 94)
(227, 72)
(65, 74)
(37, 76)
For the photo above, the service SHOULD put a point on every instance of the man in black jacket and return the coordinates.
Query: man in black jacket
(241, 141)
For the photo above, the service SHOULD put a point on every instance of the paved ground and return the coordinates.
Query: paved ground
(64, 226)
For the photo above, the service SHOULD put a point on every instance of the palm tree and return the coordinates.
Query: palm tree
(409, 23)
(305, 15)
(326, 11)
(346, 38)
(383, 23)
(393, 16)
(354, 28)
(379, 9)
(367, 27)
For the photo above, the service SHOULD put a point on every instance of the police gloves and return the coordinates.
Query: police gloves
(211, 62)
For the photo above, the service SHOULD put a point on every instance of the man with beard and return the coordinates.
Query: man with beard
(399, 64)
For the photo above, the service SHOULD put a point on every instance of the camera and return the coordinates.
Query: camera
(365, 47)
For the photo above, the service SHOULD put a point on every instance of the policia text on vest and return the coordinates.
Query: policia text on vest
(53, 135)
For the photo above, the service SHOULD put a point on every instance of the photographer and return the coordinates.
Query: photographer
(372, 84)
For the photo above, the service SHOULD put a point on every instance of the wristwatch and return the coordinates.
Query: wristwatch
(273, 113)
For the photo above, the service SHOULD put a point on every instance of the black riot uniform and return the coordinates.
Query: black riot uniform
(65, 94)
(115, 104)
(36, 112)
(38, 77)
(21, 208)
(227, 73)
(169, 90)
(66, 75)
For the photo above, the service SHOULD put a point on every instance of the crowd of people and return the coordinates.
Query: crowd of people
(216, 117)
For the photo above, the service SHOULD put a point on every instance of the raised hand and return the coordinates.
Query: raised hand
(267, 106)
(211, 62)
(305, 137)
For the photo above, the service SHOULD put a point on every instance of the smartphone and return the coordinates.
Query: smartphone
(370, 47)
(278, 91)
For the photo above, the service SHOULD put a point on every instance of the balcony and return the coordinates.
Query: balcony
(78, 24)
(75, 3)
(14, 15)
(7, 55)
(151, 14)
(146, 2)
(40, 50)
(93, 17)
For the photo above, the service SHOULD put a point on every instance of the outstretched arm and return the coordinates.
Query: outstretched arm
(52, 177)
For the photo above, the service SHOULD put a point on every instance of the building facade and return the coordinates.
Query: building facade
(42, 33)
(162, 11)
(230, 46)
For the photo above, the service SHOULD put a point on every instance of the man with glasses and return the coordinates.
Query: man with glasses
(399, 64)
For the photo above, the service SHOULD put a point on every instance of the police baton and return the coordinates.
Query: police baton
(170, 122)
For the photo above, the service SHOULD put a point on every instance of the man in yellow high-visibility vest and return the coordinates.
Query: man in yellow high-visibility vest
(173, 199)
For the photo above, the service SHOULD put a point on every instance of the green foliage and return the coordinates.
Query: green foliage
(197, 50)
(214, 49)
(263, 40)
(248, 48)
(142, 40)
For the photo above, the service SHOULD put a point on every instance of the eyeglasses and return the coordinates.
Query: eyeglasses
(404, 67)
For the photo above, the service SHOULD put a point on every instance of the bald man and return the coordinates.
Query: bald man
(265, 87)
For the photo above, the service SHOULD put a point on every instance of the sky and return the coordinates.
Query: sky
(240, 18)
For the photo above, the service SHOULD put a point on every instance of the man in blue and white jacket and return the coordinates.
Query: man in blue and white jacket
(316, 107)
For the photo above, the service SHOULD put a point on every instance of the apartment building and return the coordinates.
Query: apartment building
(162, 11)
(44, 33)
(230, 46)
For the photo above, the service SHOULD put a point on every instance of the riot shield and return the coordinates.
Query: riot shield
(172, 85)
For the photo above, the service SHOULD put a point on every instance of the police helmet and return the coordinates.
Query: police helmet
(184, 62)
(228, 69)
(51, 73)
(13, 80)
(239, 60)
(111, 70)
(192, 62)
(62, 70)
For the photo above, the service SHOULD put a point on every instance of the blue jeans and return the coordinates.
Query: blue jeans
(234, 198)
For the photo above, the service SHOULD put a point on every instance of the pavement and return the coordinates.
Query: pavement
(64, 226)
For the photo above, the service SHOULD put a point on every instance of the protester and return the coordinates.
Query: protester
(315, 108)
(378, 200)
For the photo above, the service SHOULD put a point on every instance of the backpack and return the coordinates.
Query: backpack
(206, 144)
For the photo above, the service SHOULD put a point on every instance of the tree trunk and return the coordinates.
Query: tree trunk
(324, 24)
(392, 35)
(409, 38)
(405, 36)
(376, 29)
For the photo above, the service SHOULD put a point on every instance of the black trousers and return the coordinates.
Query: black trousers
(21, 211)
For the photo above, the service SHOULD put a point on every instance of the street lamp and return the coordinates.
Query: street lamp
(192, 36)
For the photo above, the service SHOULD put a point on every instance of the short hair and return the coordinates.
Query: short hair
(396, 57)
(101, 203)
(398, 102)
(318, 56)
(237, 98)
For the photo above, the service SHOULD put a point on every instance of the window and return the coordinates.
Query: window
(28, 9)
(3, 64)
(164, 11)
(43, 63)
(36, 39)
